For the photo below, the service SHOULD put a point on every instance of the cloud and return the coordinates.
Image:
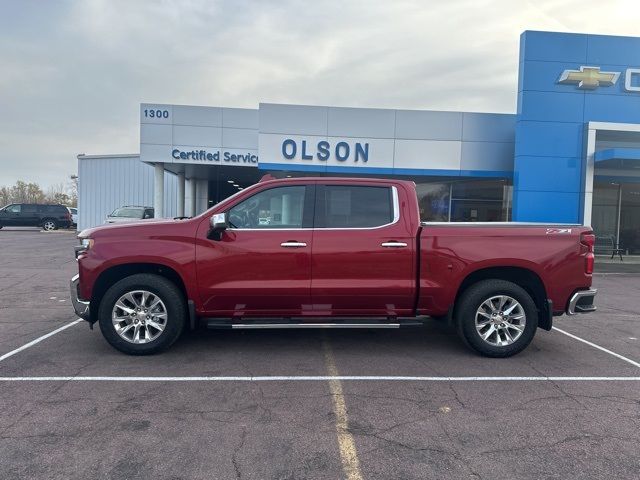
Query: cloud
(74, 73)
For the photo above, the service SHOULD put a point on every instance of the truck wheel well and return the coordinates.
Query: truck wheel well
(523, 277)
(118, 272)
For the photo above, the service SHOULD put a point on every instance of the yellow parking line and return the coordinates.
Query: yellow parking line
(346, 444)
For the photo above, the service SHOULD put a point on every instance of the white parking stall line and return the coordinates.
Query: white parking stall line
(319, 378)
(633, 274)
(591, 344)
(39, 339)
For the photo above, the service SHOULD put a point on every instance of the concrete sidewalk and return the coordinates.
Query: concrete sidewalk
(628, 264)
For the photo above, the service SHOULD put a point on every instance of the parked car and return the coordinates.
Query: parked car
(74, 216)
(328, 252)
(129, 214)
(48, 217)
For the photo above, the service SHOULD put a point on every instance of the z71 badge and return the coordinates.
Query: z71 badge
(558, 231)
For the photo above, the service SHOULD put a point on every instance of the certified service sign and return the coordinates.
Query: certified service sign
(231, 157)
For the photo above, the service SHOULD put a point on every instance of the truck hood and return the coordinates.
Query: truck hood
(146, 227)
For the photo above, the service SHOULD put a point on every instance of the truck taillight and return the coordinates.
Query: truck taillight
(589, 241)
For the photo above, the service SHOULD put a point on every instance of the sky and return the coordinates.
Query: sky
(73, 73)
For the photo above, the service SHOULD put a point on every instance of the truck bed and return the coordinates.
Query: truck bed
(451, 253)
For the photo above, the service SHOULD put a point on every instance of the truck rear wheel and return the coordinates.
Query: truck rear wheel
(142, 314)
(496, 318)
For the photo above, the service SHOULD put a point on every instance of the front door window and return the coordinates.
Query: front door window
(280, 207)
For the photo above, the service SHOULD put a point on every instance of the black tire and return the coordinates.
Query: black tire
(49, 221)
(166, 291)
(471, 300)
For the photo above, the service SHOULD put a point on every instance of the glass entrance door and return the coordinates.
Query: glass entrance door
(630, 218)
(615, 217)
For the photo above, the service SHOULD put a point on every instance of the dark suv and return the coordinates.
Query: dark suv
(49, 217)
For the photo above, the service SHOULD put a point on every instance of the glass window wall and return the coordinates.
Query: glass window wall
(615, 217)
(630, 218)
(434, 201)
(465, 201)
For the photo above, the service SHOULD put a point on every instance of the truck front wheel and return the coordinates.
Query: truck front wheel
(142, 314)
(496, 318)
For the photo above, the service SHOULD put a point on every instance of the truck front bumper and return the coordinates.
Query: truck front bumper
(81, 307)
(583, 301)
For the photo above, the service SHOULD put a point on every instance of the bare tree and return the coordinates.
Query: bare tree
(23, 192)
(34, 193)
(72, 189)
(57, 194)
(5, 196)
(19, 192)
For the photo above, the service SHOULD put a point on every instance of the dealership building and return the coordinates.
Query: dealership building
(570, 154)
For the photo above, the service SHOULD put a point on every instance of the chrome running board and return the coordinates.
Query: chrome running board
(251, 326)
(217, 323)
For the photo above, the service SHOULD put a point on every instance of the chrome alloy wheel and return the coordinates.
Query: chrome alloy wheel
(49, 225)
(500, 320)
(139, 316)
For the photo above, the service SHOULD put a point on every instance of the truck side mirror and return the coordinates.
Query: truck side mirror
(218, 225)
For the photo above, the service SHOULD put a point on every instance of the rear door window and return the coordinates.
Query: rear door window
(351, 206)
(29, 209)
(55, 209)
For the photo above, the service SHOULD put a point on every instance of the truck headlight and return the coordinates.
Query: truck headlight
(85, 244)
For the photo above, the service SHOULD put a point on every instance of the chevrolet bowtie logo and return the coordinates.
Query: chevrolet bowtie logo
(589, 78)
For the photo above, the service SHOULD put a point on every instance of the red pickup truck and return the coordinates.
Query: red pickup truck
(329, 253)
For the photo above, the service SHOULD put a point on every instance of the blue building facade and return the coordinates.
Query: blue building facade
(565, 82)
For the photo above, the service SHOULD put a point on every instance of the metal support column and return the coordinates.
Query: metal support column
(619, 211)
(202, 195)
(192, 197)
(158, 191)
(181, 199)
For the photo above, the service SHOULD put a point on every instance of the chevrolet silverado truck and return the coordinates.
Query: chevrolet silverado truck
(329, 253)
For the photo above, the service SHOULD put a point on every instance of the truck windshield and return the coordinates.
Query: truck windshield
(127, 212)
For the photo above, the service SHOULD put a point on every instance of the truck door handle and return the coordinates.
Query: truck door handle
(393, 244)
(293, 244)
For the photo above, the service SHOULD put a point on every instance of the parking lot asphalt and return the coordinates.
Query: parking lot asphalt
(73, 407)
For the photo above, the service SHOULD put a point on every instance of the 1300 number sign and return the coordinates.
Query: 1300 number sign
(156, 113)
